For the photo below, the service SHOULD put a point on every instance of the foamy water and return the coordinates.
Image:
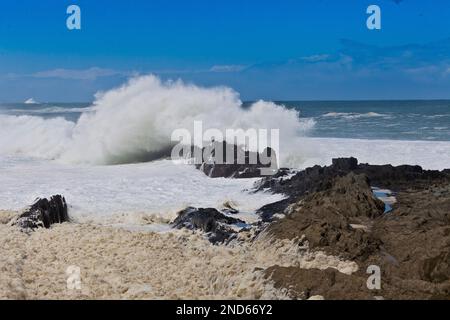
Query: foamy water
(131, 194)
(135, 122)
(117, 264)
(431, 155)
(152, 192)
(91, 158)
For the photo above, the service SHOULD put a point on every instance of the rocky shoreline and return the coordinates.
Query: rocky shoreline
(332, 210)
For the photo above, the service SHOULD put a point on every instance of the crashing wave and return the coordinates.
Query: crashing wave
(30, 101)
(134, 123)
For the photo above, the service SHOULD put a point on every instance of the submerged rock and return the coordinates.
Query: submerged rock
(216, 225)
(43, 213)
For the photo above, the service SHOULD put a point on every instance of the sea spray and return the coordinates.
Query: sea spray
(134, 123)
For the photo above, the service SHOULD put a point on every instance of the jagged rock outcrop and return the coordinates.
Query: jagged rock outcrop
(43, 213)
(333, 210)
(223, 160)
(317, 178)
(326, 217)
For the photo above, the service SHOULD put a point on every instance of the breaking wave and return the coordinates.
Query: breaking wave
(134, 123)
(34, 136)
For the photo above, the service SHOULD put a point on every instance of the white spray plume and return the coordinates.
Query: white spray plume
(134, 122)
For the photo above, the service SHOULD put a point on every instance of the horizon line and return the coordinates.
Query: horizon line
(255, 100)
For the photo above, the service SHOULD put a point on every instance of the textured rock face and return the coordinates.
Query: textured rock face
(216, 225)
(325, 218)
(43, 213)
(436, 269)
(333, 209)
(330, 283)
(385, 176)
(352, 196)
(345, 164)
(317, 178)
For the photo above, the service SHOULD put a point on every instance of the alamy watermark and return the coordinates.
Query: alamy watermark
(374, 280)
(374, 20)
(73, 22)
(249, 147)
(73, 281)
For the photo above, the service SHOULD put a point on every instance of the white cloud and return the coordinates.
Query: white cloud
(316, 58)
(227, 68)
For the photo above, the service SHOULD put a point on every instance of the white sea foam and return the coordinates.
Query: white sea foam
(117, 264)
(34, 136)
(354, 115)
(433, 155)
(146, 193)
(30, 101)
(437, 116)
(133, 194)
(134, 123)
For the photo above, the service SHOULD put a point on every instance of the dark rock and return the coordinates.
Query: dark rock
(302, 184)
(345, 164)
(399, 178)
(436, 269)
(328, 283)
(317, 178)
(216, 225)
(333, 208)
(43, 213)
(234, 162)
(267, 211)
(325, 218)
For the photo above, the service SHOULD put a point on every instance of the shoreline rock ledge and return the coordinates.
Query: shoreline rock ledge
(334, 210)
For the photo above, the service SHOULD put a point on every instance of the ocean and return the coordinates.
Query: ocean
(390, 120)
(91, 152)
(427, 120)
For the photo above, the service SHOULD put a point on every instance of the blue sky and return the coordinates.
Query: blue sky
(317, 49)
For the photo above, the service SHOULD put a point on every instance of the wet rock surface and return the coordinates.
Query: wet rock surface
(223, 160)
(319, 178)
(330, 283)
(334, 210)
(216, 225)
(43, 213)
(325, 218)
